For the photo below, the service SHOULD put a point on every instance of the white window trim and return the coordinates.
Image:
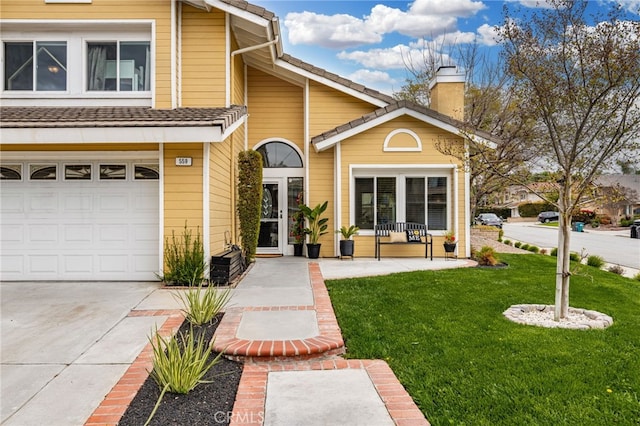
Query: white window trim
(79, 33)
(403, 171)
(387, 140)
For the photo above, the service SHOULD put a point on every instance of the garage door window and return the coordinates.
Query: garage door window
(147, 172)
(11, 172)
(113, 172)
(77, 172)
(43, 172)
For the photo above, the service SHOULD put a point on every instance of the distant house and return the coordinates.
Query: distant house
(121, 121)
(617, 195)
(515, 195)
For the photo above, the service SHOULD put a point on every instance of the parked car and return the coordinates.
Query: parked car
(490, 219)
(545, 217)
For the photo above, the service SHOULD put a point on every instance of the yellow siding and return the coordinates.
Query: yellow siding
(156, 10)
(372, 142)
(321, 189)
(203, 57)
(182, 188)
(276, 109)
(329, 108)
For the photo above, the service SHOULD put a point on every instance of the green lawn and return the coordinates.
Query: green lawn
(443, 334)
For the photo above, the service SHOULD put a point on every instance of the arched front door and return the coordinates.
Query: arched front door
(282, 191)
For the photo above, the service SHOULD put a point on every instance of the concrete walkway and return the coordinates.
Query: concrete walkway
(67, 345)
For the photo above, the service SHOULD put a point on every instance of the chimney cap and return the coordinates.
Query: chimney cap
(447, 74)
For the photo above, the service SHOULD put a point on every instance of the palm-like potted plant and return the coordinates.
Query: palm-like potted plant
(317, 226)
(450, 242)
(346, 243)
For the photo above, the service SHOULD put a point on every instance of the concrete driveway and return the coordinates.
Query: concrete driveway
(64, 345)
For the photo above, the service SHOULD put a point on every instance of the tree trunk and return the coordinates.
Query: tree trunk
(563, 261)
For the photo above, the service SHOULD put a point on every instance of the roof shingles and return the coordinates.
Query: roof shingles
(70, 117)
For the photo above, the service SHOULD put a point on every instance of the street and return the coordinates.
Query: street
(613, 246)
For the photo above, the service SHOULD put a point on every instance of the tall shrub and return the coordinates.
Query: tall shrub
(249, 200)
(184, 259)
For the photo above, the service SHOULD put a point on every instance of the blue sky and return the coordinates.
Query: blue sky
(370, 41)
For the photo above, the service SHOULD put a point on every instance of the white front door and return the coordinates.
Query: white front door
(272, 238)
(79, 220)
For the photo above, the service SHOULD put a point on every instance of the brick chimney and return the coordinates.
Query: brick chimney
(447, 92)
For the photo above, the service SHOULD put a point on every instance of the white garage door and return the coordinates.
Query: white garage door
(79, 220)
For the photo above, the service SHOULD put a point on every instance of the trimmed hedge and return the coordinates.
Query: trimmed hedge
(249, 200)
(534, 209)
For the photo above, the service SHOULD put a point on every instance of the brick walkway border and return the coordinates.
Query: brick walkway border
(113, 406)
(251, 397)
(328, 343)
(248, 409)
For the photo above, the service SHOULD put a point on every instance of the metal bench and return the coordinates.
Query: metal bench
(385, 230)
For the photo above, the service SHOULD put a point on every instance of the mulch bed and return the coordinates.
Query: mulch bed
(207, 404)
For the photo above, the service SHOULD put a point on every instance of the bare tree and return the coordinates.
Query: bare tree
(581, 84)
(490, 105)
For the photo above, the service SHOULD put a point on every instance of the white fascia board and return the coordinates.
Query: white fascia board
(330, 83)
(114, 134)
(232, 128)
(328, 143)
(258, 20)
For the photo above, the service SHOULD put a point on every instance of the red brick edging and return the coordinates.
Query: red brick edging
(328, 343)
(252, 391)
(113, 406)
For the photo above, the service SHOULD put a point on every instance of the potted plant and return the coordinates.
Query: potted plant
(346, 243)
(297, 232)
(449, 242)
(317, 226)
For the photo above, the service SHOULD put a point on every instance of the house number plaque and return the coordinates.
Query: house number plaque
(183, 161)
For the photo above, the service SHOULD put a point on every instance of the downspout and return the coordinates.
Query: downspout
(179, 58)
(338, 195)
(456, 203)
(228, 61)
(257, 46)
(307, 143)
(174, 55)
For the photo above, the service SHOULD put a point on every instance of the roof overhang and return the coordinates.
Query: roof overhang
(365, 125)
(24, 125)
(121, 134)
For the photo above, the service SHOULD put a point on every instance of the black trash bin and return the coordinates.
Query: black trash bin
(635, 229)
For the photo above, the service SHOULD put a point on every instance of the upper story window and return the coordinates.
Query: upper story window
(77, 62)
(118, 66)
(35, 66)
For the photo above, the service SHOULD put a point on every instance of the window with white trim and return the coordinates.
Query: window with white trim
(35, 66)
(122, 66)
(396, 197)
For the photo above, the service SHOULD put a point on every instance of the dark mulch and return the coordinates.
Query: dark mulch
(207, 404)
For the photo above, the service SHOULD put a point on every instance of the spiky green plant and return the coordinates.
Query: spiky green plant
(595, 261)
(201, 304)
(179, 364)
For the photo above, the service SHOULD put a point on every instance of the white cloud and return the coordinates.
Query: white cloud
(336, 31)
(534, 4)
(487, 35)
(371, 78)
(397, 57)
(459, 8)
(632, 6)
(423, 18)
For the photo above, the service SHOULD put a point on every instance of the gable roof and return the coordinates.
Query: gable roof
(394, 110)
(389, 107)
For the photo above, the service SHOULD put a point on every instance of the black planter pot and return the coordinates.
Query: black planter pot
(449, 247)
(313, 251)
(297, 249)
(346, 248)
